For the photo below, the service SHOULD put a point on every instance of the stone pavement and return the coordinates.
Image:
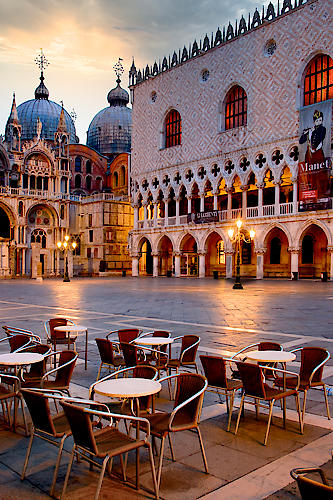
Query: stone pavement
(292, 313)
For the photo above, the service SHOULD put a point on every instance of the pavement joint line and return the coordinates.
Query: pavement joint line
(275, 475)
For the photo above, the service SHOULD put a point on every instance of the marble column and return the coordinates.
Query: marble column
(244, 202)
(260, 188)
(177, 264)
(145, 215)
(202, 203)
(294, 252)
(177, 211)
(228, 264)
(189, 204)
(135, 265)
(215, 206)
(277, 198)
(136, 216)
(229, 205)
(295, 194)
(260, 262)
(330, 251)
(155, 214)
(155, 265)
(166, 212)
(202, 264)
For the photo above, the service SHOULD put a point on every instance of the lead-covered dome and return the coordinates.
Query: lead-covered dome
(47, 111)
(110, 130)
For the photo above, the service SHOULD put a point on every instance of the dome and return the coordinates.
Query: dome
(109, 132)
(47, 111)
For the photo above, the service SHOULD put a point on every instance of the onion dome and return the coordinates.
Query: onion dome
(109, 132)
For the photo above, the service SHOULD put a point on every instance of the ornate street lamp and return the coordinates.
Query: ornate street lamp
(236, 237)
(64, 246)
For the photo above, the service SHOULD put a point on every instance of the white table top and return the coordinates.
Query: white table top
(153, 341)
(20, 358)
(271, 356)
(127, 387)
(71, 328)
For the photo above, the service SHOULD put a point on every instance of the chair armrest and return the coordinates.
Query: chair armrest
(244, 349)
(12, 377)
(296, 472)
(110, 333)
(319, 366)
(120, 416)
(58, 367)
(186, 402)
(111, 375)
(287, 372)
(188, 348)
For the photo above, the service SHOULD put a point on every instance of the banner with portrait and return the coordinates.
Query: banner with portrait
(315, 165)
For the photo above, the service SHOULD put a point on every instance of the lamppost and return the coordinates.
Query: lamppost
(237, 237)
(63, 247)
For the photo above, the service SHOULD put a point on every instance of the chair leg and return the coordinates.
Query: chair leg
(101, 476)
(99, 371)
(326, 402)
(171, 448)
(298, 407)
(304, 404)
(269, 420)
(239, 413)
(257, 409)
(231, 405)
(202, 450)
(56, 469)
(153, 472)
(27, 454)
(159, 471)
(68, 473)
(123, 467)
(24, 417)
(137, 456)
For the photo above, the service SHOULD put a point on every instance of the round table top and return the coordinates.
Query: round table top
(153, 340)
(20, 358)
(127, 387)
(271, 356)
(70, 328)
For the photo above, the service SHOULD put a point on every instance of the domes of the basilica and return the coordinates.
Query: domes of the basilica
(47, 111)
(109, 132)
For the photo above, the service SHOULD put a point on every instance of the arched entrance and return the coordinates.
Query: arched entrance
(277, 257)
(313, 259)
(189, 264)
(165, 262)
(4, 225)
(248, 264)
(146, 258)
(215, 255)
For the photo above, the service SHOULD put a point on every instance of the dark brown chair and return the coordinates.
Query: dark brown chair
(261, 346)
(19, 342)
(104, 444)
(159, 361)
(10, 390)
(190, 388)
(187, 355)
(126, 335)
(51, 428)
(133, 355)
(108, 356)
(254, 387)
(14, 330)
(63, 373)
(310, 489)
(313, 360)
(215, 371)
(33, 377)
(59, 338)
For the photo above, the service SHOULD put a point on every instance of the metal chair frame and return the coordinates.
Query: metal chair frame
(308, 487)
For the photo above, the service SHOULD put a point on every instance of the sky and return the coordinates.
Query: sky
(83, 39)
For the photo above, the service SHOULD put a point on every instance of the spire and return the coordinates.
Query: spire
(62, 127)
(118, 96)
(41, 91)
(13, 117)
(13, 128)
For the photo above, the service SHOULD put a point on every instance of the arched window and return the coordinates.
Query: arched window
(115, 179)
(123, 175)
(88, 167)
(78, 163)
(275, 254)
(318, 81)
(235, 108)
(99, 183)
(20, 209)
(32, 182)
(88, 182)
(307, 249)
(173, 129)
(62, 212)
(77, 181)
(39, 182)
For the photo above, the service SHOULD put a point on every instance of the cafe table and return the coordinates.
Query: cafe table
(68, 329)
(282, 357)
(154, 342)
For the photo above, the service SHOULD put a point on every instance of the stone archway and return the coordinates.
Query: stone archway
(215, 255)
(189, 263)
(277, 257)
(146, 258)
(165, 256)
(313, 257)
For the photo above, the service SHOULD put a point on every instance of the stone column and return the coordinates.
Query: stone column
(177, 211)
(189, 204)
(244, 201)
(136, 216)
(155, 265)
(155, 214)
(145, 215)
(166, 212)
(294, 260)
(202, 203)
(135, 265)
(330, 251)
(277, 198)
(23, 261)
(260, 262)
(228, 264)
(260, 188)
(215, 207)
(295, 194)
(177, 264)
(229, 191)
(202, 264)
(58, 262)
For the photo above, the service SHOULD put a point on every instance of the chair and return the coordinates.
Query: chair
(126, 335)
(190, 388)
(188, 351)
(255, 387)
(215, 371)
(105, 443)
(33, 377)
(161, 360)
(63, 372)
(108, 356)
(309, 488)
(55, 338)
(133, 355)
(13, 330)
(313, 360)
(51, 428)
(262, 346)
(10, 389)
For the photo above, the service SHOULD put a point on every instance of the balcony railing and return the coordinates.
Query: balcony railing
(50, 195)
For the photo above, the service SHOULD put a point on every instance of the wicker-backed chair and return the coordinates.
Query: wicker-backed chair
(309, 488)
(94, 444)
(313, 360)
(187, 355)
(126, 335)
(51, 428)
(108, 356)
(10, 386)
(261, 346)
(14, 330)
(59, 338)
(63, 373)
(255, 388)
(162, 359)
(215, 371)
(190, 388)
(33, 377)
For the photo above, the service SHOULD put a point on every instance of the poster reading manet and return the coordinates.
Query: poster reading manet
(314, 169)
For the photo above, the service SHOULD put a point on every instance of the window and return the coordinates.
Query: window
(20, 208)
(88, 182)
(45, 183)
(62, 212)
(318, 81)
(78, 163)
(88, 167)
(90, 220)
(173, 129)
(235, 108)
(78, 181)
(115, 179)
(91, 235)
(89, 253)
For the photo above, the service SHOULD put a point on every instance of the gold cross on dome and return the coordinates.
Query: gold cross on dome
(41, 61)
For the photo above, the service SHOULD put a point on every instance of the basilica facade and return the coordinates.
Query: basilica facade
(53, 188)
(237, 127)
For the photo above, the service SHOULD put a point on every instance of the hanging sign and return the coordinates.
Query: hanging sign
(201, 217)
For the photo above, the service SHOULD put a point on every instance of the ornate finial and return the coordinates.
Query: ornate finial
(119, 69)
(73, 115)
(62, 103)
(41, 61)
